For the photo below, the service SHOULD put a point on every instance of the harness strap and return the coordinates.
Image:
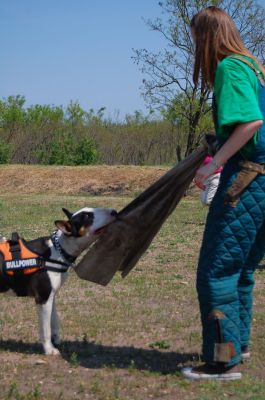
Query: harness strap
(15, 248)
(66, 264)
(257, 72)
(54, 269)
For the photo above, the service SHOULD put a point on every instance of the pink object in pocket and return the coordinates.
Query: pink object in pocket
(207, 160)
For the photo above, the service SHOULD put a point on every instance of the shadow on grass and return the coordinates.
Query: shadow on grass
(92, 355)
(17, 346)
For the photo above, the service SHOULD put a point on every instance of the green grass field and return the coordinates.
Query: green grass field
(125, 341)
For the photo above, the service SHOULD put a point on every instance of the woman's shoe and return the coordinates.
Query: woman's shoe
(245, 354)
(212, 372)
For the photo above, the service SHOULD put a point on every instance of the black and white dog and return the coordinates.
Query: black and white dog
(59, 251)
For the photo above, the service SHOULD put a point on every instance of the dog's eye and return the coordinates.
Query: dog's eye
(80, 222)
(88, 218)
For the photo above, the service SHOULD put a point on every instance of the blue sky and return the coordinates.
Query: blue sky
(54, 51)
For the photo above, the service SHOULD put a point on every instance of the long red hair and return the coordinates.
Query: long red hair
(216, 37)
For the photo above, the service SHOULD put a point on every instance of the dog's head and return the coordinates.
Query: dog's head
(87, 222)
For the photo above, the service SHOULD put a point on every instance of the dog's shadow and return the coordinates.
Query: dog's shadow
(93, 356)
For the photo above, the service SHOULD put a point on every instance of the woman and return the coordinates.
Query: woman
(234, 237)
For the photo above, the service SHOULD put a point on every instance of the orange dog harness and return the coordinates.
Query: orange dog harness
(17, 258)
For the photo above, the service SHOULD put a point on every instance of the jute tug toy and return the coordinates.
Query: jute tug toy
(123, 243)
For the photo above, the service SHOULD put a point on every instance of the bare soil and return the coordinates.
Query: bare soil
(93, 180)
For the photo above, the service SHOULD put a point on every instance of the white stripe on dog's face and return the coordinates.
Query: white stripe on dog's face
(85, 209)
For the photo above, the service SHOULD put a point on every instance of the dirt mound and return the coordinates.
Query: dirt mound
(94, 180)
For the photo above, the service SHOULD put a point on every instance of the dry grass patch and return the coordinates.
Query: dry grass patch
(94, 180)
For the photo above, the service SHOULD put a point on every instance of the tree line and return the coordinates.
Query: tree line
(45, 134)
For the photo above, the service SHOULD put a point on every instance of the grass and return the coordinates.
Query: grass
(126, 341)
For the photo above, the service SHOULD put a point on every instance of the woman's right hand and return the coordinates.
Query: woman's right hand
(202, 174)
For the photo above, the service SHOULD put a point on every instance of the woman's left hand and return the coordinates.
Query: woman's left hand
(202, 174)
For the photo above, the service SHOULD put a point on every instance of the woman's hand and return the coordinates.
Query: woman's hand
(203, 173)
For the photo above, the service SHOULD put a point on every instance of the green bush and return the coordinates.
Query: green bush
(5, 152)
(86, 152)
(65, 149)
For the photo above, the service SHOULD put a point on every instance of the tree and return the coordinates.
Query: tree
(12, 114)
(168, 74)
(178, 114)
(75, 113)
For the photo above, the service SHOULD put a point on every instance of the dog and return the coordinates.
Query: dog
(57, 252)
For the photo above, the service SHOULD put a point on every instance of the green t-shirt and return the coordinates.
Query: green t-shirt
(236, 90)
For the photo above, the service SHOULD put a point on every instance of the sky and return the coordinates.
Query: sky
(55, 51)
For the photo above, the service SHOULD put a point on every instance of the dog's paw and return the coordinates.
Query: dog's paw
(51, 351)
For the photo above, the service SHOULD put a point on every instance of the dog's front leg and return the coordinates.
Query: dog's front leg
(55, 326)
(45, 315)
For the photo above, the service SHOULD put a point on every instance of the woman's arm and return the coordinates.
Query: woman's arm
(241, 135)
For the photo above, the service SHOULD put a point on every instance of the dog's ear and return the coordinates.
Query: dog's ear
(64, 226)
(67, 213)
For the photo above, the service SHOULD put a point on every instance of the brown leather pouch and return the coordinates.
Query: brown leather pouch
(247, 174)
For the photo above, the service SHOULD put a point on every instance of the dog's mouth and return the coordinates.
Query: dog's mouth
(100, 230)
(103, 228)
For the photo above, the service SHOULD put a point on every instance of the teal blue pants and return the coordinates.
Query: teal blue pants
(233, 245)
